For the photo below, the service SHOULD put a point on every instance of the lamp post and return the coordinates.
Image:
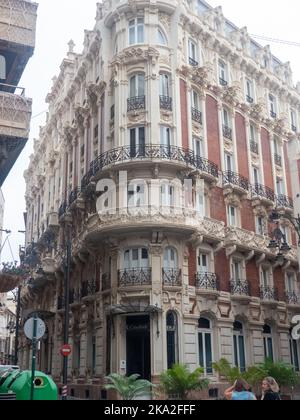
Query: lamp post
(295, 221)
(278, 241)
(66, 321)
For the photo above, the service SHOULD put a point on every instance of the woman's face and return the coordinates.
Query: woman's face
(265, 386)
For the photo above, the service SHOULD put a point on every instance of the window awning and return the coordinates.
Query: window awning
(132, 308)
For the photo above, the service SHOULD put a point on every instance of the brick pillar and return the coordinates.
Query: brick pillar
(212, 122)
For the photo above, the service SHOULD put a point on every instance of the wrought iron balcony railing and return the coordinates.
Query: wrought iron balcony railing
(240, 287)
(273, 114)
(263, 191)
(227, 132)
(197, 115)
(278, 159)
(193, 62)
(268, 293)
(171, 277)
(223, 82)
(106, 281)
(166, 103)
(135, 277)
(233, 178)
(89, 288)
(284, 201)
(152, 152)
(249, 99)
(73, 195)
(293, 298)
(206, 281)
(136, 103)
(294, 128)
(254, 147)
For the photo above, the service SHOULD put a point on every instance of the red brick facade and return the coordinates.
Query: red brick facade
(212, 122)
(247, 216)
(252, 273)
(241, 144)
(222, 269)
(217, 205)
(192, 265)
(267, 158)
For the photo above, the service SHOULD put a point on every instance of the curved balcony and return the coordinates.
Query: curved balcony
(152, 153)
(268, 294)
(236, 181)
(293, 298)
(135, 277)
(206, 283)
(172, 277)
(240, 290)
(282, 201)
(263, 193)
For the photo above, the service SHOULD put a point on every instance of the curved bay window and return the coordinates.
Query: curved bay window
(239, 346)
(205, 345)
(172, 339)
(136, 270)
(136, 99)
(268, 342)
(136, 31)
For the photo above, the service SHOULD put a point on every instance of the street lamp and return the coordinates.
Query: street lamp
(295, 221)
(278, 241)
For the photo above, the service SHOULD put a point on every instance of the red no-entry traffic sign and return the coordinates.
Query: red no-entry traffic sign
(65, 350)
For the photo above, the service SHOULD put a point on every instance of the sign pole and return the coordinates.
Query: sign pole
(34, 342)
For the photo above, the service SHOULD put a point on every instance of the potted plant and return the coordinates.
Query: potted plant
(128, 387)
(180, 381)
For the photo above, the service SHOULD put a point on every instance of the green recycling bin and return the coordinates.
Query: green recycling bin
(19, 383)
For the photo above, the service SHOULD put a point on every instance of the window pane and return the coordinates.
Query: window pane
(242, 354)
(235, 349)
(270, 349)
(265, 348)
(141, 85)
(171, 348)
(140, 34)
(135, 254)
(296, 355)
(144, 253)
(132, 87)
(132, 35)
(208, 353)
(201, 350)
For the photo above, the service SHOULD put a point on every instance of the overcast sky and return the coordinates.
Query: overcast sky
(62, 20)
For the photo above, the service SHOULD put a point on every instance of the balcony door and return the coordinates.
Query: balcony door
(202, 263)
(137, 142)
(136, 258)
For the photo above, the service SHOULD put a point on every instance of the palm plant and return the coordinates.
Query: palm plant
(223, 367)
(128, 387)
(180, 381)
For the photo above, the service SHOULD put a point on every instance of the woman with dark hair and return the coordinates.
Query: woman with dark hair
(239, 392)
(270, 390)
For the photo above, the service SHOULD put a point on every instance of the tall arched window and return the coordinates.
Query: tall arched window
(2, 68)
(172, 339)
(268, 342)
(161, 37)
(136, 31)
(205, 345)
(239, 346)
(137, 85)
(294, 350)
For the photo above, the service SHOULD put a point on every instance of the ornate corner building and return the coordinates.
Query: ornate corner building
(166, 94)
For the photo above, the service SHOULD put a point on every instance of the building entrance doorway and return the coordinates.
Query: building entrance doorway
(138, 346)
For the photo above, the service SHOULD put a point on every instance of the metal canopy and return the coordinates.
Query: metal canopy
(130, 308)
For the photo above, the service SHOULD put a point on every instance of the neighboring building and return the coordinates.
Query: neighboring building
(7, 330)
(167, 91)
(17, 40)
